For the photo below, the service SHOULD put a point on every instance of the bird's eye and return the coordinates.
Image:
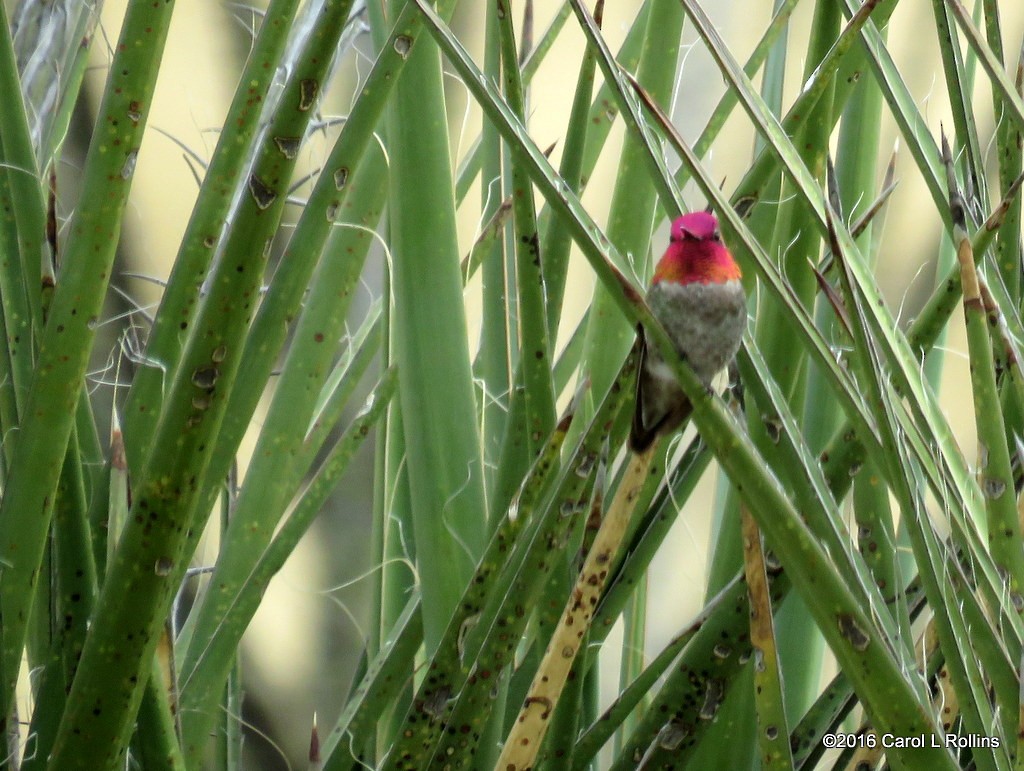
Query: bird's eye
(716, 236)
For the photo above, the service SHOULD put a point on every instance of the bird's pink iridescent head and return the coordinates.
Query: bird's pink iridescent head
(695, 253)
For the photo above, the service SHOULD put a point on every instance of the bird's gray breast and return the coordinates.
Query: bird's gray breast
(705, 321)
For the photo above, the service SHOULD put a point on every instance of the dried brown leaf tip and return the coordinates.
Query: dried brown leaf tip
(315, 761)
(833, 298)
(957, 206)
(833, 187)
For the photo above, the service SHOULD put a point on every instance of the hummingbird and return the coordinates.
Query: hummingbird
(697, 296)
